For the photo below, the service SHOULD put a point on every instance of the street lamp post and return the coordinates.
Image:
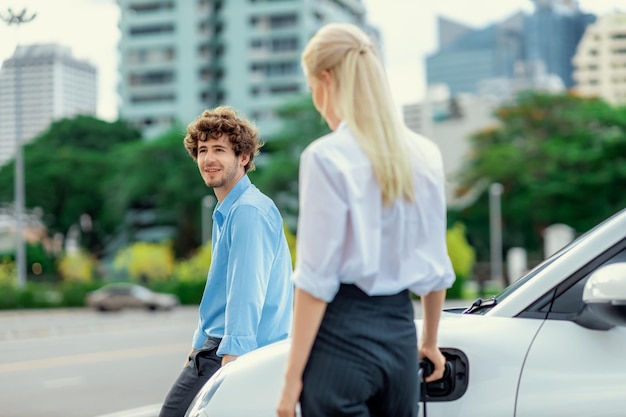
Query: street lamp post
(208, 201)
(495, 221)
(19, 19)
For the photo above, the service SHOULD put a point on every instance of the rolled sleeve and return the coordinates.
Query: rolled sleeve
(198, 338)
(322, 225)
(237, 345)
(247, 278)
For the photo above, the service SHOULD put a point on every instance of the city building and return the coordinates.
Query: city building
(39, 84)
(178, 57)
(600, 60)
(449, 121)
(528, 76)
(547, 37)
(552, 33)
(473, 55)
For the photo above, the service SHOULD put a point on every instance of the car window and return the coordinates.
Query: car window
(119, 290)
(537, 306)
(569, 301)
(140, 292)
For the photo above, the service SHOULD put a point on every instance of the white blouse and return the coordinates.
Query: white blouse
(346, 235)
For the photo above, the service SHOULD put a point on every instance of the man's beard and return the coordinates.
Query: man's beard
(228, 176)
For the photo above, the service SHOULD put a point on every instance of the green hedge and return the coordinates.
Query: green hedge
(72, 294)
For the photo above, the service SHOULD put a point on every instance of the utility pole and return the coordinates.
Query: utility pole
(18, 19)
(208, 202)
(495, 221)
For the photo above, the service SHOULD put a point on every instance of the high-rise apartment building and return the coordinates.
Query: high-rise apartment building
(38, 85)
(600, 61)
(178, 57)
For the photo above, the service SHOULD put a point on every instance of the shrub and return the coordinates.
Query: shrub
(462, 255)
(73, 292)
(291, 242)
(8, 273)
(196, 267)
(146, 262)
(77, 266)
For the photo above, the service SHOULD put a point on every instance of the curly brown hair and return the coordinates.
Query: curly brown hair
(223, 120)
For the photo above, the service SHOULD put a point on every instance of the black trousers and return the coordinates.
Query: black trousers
(364, 359)
(202, 365)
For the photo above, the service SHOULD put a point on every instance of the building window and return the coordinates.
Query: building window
(284, 89)
(284, 44)
(151, 78)
(282, 68)
(152, 29)
(205, 74)
(272, 69)
(154, 55)
(204, 50)
(153, 98)
(151, 7)
(283, 20)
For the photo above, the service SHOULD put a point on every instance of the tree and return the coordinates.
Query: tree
(278, 164)
(157, 186)
(64, 167)
(561, 159)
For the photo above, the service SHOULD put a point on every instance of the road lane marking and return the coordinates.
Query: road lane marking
(92, 357)
(147, 411)
(62, 382)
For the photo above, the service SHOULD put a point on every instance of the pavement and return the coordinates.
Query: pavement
(27, 323)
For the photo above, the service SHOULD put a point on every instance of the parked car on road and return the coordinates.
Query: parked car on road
(117, 296)
(551, 344)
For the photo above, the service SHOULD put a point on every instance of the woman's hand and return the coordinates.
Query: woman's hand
(438, 360)
(289, 398)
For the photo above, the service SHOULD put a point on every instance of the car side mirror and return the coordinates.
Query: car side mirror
(604, 297)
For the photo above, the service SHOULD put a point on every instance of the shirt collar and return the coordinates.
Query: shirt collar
(221, 209)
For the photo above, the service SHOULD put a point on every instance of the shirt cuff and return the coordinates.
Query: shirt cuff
(236, 345)
(198, 339)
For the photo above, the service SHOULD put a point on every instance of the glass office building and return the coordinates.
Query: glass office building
(548, 36)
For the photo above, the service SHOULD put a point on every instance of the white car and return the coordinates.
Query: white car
(551, 344)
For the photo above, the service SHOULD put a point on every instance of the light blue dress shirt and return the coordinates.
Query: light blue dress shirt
(346, 234)
(248, 298)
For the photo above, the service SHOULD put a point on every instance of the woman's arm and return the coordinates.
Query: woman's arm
(307, 316)
(432, 304)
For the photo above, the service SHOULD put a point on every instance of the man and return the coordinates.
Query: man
(247, 301)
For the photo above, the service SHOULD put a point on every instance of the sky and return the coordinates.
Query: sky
(408, 29)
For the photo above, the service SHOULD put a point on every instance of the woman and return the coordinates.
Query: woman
(371, 228)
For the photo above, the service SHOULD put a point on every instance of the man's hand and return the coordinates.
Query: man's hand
(228, 358)
(189, 357)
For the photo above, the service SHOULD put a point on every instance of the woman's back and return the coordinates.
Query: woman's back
(380, 248)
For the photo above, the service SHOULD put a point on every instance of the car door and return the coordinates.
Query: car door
(573, 370)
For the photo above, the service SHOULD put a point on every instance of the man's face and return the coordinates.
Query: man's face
(219, 167)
